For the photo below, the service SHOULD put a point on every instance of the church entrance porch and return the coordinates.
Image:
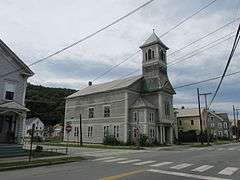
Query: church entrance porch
(165, 134)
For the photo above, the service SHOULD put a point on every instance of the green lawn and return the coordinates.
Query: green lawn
(100, 146)
(36, 163)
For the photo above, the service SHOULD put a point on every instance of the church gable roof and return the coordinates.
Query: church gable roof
(16, 59)
(153, 39)
(109, 86)
(142, 103)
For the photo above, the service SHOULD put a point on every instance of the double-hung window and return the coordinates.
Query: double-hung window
(116, 131)
(90, 131)
(91, 112)
(105, 130)
(76, 131)
(10, 88)
(107, 111)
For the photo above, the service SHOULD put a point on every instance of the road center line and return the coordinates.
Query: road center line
(186, 175)
(122, 175)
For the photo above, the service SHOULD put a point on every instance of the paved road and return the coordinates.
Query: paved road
(212, 163)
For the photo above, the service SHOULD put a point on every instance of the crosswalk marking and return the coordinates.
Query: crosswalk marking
(104, 158)
(129, 161)
(143, 163)
(202, 168)
(181, 166)
(228, 171)
(114, 160)
(161, 164)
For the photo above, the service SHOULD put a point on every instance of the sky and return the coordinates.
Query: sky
(34, 29)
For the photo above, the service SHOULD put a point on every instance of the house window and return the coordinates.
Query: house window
(167, 109)
(152, 133)
(105, 130)
(225, 132)
(192, 122)
(225, 125)
(180, 122)
(9, 90)
(220, 133)
(212, 125)
(135, 116)
(91, 112)
(135, 132)
(106, 111)
(152, 54)
(146, 56)
(90, 131)
(211, 118)
(149, 54)
(1, 124)
(116, 131)
(220, 125)
(151, 117)
(76, 131)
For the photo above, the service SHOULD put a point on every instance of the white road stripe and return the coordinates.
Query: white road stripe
(186, 175)
(105, 158)
(181, 166)
(202, 168)
(129, 161)
(232, 149)
(143, 163)
(114, 160)
(161, 164)
(228, 171)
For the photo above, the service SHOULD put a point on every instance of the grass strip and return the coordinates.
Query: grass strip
(36, 163)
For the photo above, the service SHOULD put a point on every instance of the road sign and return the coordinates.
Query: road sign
(68, 128)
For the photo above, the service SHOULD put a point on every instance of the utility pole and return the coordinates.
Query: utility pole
(80, 129)
(237, 109)
(200, 116)
(206, 118)
(235, 121)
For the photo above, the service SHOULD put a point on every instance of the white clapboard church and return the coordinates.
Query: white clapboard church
(122, 108)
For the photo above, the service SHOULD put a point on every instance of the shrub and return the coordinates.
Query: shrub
(143, 140)
(110, 140)
(39, 149)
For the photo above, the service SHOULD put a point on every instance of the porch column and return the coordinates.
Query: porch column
(164, 134)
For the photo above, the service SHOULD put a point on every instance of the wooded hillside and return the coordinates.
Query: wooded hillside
(47, 103)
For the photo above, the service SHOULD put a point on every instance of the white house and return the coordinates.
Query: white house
(39, 127)
(126, 107)
(13, 82)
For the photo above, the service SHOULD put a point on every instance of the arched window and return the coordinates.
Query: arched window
(153, 54)
(149, 54)
(162, 55)
(146, 57)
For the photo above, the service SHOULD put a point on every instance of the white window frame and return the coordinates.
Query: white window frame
(136, 116)
(104, 115)
(13, 83)
(89, 112)
(220, 125)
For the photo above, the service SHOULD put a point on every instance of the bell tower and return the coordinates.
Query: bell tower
(154, 64)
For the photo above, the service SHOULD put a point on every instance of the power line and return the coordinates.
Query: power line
(189, 17)
(235, 44)
(168, 31)
(114, 66)
(200, 50)
(203, 37)
(85, 38)
(206, 80)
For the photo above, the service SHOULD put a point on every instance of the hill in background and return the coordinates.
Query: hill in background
(47, 103)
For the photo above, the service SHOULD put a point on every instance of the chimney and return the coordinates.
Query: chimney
(182, 107)
(89, 83)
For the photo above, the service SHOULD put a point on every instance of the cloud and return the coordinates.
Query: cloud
(34, 29)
